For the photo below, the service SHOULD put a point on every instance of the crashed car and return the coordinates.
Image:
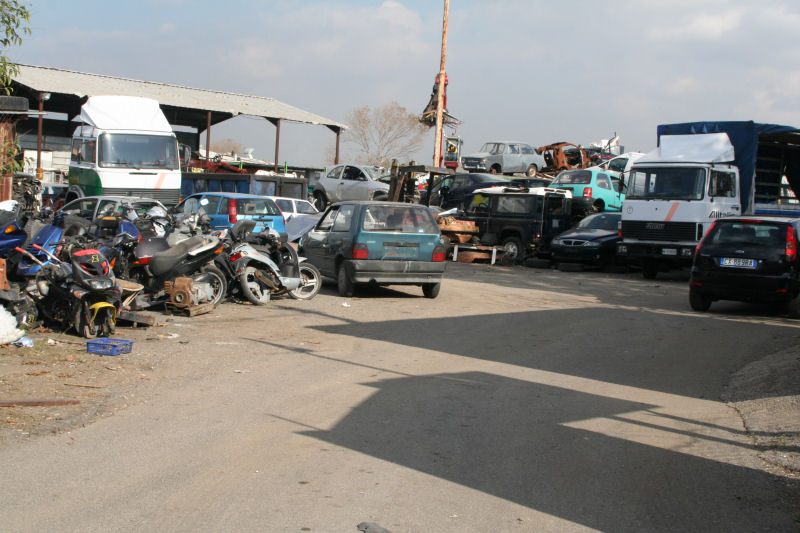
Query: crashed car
(564, 156)
(500, 157)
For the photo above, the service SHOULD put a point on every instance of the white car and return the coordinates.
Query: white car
(621, 165)
(291, 207)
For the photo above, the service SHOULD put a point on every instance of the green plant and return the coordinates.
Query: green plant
(14, 20)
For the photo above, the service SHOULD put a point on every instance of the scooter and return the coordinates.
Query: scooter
(264, 267)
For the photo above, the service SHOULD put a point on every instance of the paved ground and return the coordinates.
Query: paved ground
(519, 400)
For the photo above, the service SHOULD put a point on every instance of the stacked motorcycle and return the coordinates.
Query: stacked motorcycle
(81, 275)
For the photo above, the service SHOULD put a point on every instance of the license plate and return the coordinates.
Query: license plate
(400, 252)
(669, 251)
(737, 262)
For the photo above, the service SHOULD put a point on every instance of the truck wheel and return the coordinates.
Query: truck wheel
(513, 247)
(532, 171)
(698, 301)
(320, 201)
(649, 269)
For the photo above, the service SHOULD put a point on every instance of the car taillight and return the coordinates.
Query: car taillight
(232, 211)
(438, 254)
(587, 192)
(700, 244)
(360, 251)
(791, 244)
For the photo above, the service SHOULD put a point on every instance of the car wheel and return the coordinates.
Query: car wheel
(793, 306)
(431, 290)
(532, 171)
(320, 201)
(599, 206)
(513, 247)
(344, 284)
(495, 170)
(698, 301)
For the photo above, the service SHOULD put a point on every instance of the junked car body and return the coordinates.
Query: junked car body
(501, 157)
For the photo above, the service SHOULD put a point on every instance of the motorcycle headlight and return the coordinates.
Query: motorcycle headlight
(100, 284)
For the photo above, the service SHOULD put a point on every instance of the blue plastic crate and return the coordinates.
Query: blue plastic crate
(109, 346)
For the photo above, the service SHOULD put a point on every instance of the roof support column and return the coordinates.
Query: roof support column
(208, 134)
(277, 142)
(39, 170)
(338, 139)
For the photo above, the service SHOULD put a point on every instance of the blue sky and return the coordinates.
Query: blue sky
(532, 71)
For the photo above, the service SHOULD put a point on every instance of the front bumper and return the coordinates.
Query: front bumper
(580, 254)
(395, 272)
(676, 253)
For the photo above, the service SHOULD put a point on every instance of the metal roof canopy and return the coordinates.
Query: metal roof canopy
(183, 106)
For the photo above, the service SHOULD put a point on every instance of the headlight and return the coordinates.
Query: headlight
(556, 241)
(591, 244)
(100, 284)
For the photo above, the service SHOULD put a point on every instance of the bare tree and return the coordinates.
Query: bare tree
(227, 146)
(385, 133)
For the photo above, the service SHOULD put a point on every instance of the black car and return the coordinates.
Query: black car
(747, 259)
(592, 241)
(452, 190)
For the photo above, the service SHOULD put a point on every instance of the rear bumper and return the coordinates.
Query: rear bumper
(736, 286)
(395, 272)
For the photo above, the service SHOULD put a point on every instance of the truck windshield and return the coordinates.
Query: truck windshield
(130, 150)
(683, 183)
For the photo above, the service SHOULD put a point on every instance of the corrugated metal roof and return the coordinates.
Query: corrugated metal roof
(222, 104)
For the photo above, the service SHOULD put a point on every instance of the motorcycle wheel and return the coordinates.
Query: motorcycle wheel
(219, 283)
(82, 325)
(312, 282)
(252, 289)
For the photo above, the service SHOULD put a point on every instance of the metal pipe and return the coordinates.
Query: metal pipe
(338, 138)
(437, 149)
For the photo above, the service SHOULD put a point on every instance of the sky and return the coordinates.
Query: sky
(529, 71)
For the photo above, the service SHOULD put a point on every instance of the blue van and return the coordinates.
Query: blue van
(225, 209)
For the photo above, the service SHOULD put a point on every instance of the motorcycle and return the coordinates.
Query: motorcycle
(82, 293)
(264, 267)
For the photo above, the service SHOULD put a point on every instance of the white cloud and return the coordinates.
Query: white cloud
(684, 85)
(702, 27)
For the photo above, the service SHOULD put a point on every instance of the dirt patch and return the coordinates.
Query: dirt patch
(767, 396)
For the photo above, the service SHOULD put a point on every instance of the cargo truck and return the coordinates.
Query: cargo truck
(702, 171)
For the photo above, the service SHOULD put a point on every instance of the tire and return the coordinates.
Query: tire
(219, 283)
(495, 170)
(513, 247)
(532, 171)
(82, 325)
(793, 306)
(699, 301)
(649, 269)
(599, 206)
(320, 201)
(255, 293)
(431, 290)
(344, 284)
(312, 280)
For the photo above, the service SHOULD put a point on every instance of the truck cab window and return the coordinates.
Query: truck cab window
(722, 184)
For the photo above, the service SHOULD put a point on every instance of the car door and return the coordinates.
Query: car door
(315, 242)
(82, 207)
(340, 238)
(330, 183)
(353, 185)
(607, 193)
(513, 159)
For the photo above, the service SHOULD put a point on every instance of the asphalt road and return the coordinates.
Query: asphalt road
(519, 400)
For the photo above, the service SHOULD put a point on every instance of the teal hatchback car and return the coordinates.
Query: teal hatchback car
(226, 208)
(381, 242)
(592, 189)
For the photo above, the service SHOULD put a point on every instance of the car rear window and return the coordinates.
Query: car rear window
(753, 233)
(577, 177)
(386, 218)
(251, 206)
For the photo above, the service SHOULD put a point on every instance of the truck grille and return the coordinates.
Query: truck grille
(659, 231)
(165, 196)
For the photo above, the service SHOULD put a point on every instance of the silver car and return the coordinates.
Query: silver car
(500, 157)
(350, 182)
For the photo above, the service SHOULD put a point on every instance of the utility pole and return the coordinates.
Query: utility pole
(437, 149)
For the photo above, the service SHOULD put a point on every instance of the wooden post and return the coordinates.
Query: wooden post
(437, 149)
(277, 142)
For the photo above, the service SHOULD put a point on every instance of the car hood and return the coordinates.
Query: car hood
(479, 155)
(585, 234)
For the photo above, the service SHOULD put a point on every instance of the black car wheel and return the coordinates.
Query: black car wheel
(431, 290)
(699, 301)
(532, 171)
(513, 247)
(344, 284)
(320, 201)
(793, 306)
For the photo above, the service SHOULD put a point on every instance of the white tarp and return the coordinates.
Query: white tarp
(124, 113)
(696, 148)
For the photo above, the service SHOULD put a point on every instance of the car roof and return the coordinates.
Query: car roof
(377, 202)
(520, 191)
(233, 195)
(287, 198)
(118, 198)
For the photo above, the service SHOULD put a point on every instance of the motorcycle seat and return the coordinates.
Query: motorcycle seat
(163, 262)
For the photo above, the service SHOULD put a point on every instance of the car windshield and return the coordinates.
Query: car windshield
(389, 218)
(492, 148)
(684, 183)
(751, 233)
(573, 177)
(377, 173)
(600, 221)
(124, 150)
(305, 208)
(141, 208)
(254, 206)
